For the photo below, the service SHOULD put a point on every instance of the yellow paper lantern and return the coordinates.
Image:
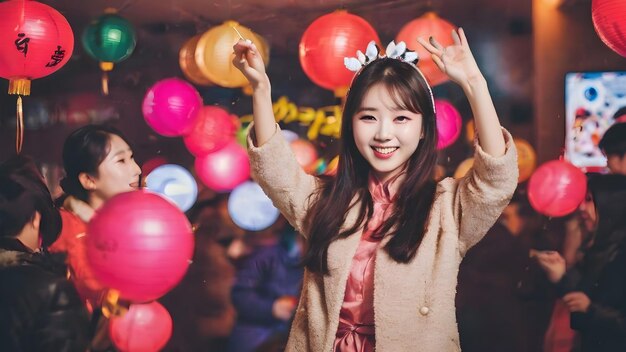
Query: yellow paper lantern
(463, 168)
(214, 53)
(187, 62)
(526, 159)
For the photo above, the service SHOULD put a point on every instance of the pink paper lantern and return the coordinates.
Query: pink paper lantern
(609, 21)
(171, 106)
(449, 123)
(139, 244)
(144, 328)
(225, 169)
(213, 129)
(557, 188)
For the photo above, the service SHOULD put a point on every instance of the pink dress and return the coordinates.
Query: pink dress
(356, 319)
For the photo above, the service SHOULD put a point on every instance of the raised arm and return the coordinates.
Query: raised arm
(458, 63)
(249, 61)
(487, 188)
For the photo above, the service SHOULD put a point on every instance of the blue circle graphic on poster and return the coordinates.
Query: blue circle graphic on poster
(175, 183)
(250, 208)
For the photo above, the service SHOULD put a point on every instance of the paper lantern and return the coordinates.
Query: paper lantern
(38, 41)
(140, 245)
(214, 128)
(250, 208)
(429, 24)
(187, 62)
(449, 123)
(225, 169)
(241, 136)
(109, 39)
(327, 41)
(214, 54)
(171, 106)
(463, 168)
(609, 21)
(556, 188)
(152, 164)
(174, 183)
(332, 166)
(144, 328)
(305, 153)
(470, 132)
(526, 159)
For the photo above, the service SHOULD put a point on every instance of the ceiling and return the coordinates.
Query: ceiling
(282, 22)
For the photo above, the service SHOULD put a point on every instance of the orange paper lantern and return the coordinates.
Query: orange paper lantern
(327, 41)
(214, 53)
(187, 62)
(429, 24)
(463, 168)
(526, 159)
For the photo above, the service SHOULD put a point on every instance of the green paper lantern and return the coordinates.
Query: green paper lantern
(109, 39)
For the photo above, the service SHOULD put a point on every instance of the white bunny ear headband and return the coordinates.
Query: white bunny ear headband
(394, 51)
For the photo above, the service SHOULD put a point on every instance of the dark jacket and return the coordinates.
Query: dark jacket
(603, 326)
(265, 275)
(39, 308)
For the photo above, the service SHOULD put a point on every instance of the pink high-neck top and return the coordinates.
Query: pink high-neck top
(356, 319)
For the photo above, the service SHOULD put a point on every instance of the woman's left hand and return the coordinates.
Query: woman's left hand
(455, 60)
(577, 302)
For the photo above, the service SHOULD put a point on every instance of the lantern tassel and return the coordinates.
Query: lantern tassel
(105, 83)
(19, 136)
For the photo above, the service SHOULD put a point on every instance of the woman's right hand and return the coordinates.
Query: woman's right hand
(552, 263)
(249, 61)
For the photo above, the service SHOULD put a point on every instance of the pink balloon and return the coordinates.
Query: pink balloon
(170, 107)
(557, 188)
(139, 244)
(144, 328)
(448, 123)
(225, 169)
(213, 129)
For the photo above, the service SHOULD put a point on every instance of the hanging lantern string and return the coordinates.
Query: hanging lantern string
(19, 134)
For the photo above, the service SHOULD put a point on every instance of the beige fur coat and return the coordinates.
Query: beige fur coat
(414, 302)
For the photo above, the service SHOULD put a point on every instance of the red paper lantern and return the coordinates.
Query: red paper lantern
(144, 328)
(139, 244)
(327, 41)
(449, 123)
(426, 26)
(609, 20)
(225, 169)
(557, 188)
(305, 153)
(213, 129)
(38, 40)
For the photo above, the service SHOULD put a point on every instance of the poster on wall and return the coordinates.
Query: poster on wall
(593, 102)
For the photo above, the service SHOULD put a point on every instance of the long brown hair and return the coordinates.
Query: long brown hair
(415, 196)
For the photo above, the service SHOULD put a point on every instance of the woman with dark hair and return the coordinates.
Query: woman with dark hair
(595, 289)
(98, 164)
(40, 310)
(384, 241)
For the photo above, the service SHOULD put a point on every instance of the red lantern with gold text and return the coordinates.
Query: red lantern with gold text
(426, 26)
(327, 41)
(37, 41)
(609, 21)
